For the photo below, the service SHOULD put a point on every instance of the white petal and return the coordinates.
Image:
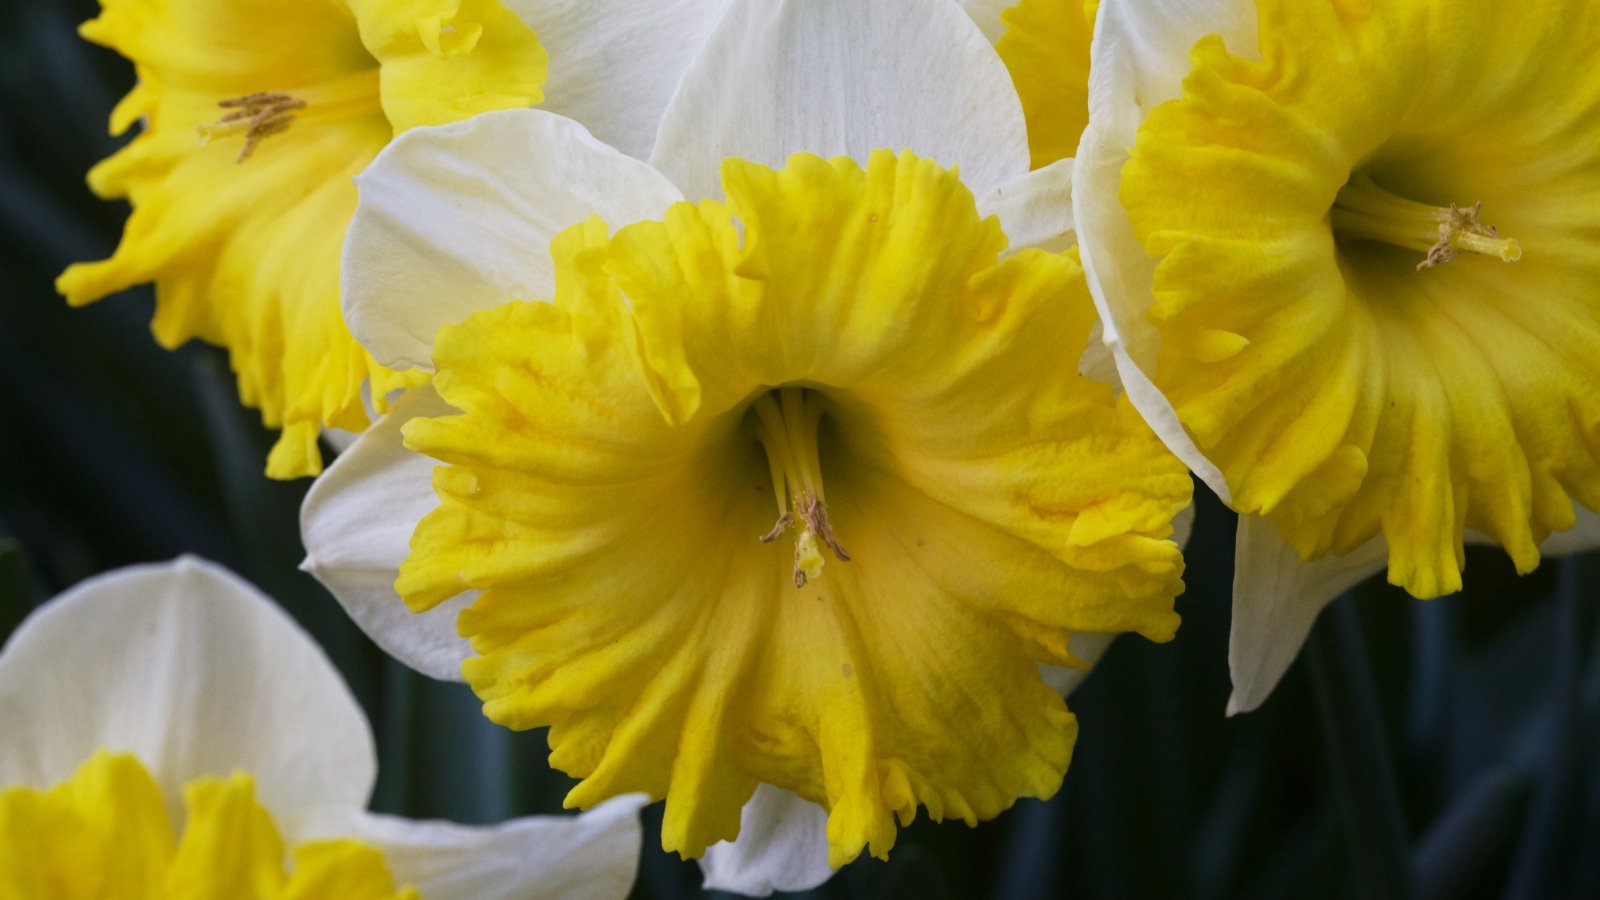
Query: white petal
(1585, 535)
(986, 13)
(1086, 646)
(594, 855)
(841, 78)
(1276, 598)
(614, 64)
(1097, 361)
(356, 524)
(458, 218)
(337, 438)
(782, 846)
(1035, 209)
(1139, 57)
(191, 669)
(1141, 53)
(1183, 526)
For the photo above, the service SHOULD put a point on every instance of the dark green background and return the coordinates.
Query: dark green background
(1444, 749)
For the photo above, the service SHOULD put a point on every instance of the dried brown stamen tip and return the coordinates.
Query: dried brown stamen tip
(1365, 211)
(261, 115)
(1457, 219)
(784, 521)
(815, 515)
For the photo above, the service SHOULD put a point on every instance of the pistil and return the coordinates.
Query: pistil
(786, 425)
(1364, 211)
(259, 115)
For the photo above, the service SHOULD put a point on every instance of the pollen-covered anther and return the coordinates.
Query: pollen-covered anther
(1364, 211)
(1461, 228)
(807, 555)
(815, 514)
(259, 115)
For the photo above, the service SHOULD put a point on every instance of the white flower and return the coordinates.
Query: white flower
(197, 676)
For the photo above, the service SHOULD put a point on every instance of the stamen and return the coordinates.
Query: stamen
(784, 521)
(787, 428)
(1364, 211)
(259, 115)
(815, 515)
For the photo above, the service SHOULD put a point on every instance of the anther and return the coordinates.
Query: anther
(784, 521)
(815, 515)
(1461, 228)
(259, 115)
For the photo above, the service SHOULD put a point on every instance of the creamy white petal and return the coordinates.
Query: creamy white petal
(192, 670)
(1086, 646)
(458, 218)
(614, 64)
(1035, 209)
(782, 846)
(986, 13)
(1097, 361)
(592, 856)
(1183, 526)
(1139, 57)
(339, 439)
(356, 525)
(1277, 596)
(1585, 535)
(1141, 53)
(840, 78)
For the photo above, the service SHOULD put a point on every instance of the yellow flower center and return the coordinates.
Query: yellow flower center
(846, 349)
(105, 833)
(787, 428)
(1365, 211)
(259, 115)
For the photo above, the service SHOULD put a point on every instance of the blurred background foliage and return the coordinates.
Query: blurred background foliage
(1435, 750)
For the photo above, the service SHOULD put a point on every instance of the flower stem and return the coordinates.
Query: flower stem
(1358, 754)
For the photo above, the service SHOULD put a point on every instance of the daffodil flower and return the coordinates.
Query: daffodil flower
(256, 115)
(169, 732)
(1346, 256)
(770, 503)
